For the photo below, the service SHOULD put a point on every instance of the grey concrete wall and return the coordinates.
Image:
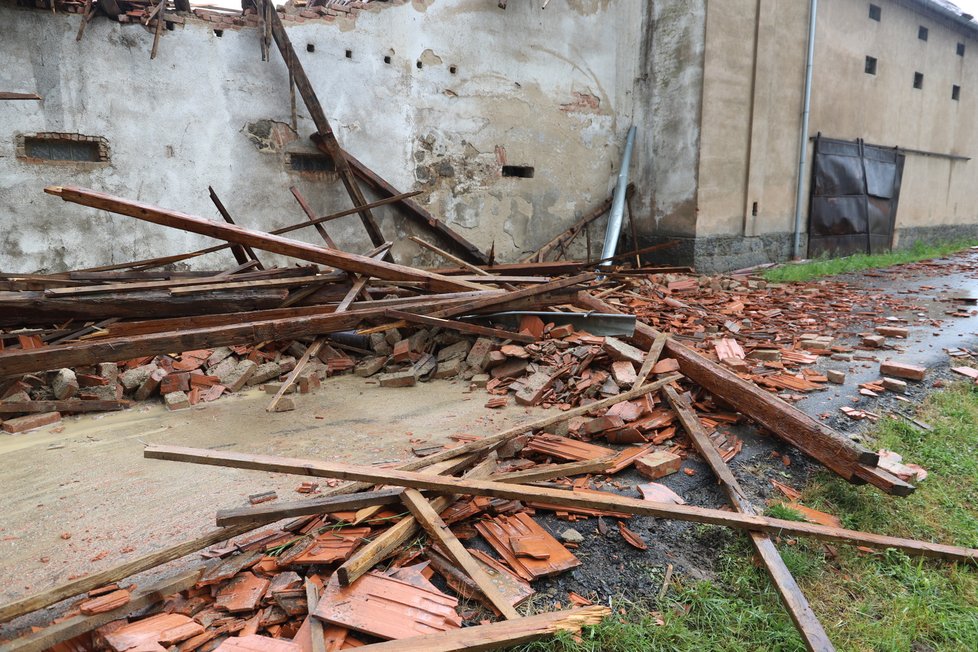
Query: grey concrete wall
(551, 89)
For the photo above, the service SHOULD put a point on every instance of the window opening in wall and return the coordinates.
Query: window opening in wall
(870, 65)
(218, 33)
(918, 80)
(960, 49)
(955, 92)
(387, 59)
(922, 33)
(518, 171)
(311, 163)
(349, 54)
(420, 65)
(310, 47)
(63, 148)
(453, 69)
(875, 12)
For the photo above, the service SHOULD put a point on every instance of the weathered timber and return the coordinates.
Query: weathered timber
(558, 497)
(325, 131)
(489, 302)
(320, 229)
(270, 512)
(33, 308)
(461, 326)
(264, 241)
(505, 633)
(807, 623)
(241, 253)
(784, 420)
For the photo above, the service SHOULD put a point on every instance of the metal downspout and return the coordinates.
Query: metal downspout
(803, 136)
(618, 203)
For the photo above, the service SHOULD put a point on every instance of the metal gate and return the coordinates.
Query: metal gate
(855, 190)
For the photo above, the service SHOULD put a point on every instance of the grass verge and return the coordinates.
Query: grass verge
(831, 266)
(878, 602)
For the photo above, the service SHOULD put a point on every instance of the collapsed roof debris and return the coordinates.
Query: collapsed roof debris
(351, 567)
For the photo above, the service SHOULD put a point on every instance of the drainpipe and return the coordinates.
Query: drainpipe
(803, 136)
(618, 203)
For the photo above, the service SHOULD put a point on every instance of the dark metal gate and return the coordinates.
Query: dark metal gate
(855, 190)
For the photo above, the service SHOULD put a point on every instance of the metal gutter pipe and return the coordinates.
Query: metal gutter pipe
(803, 136)
(618, 203)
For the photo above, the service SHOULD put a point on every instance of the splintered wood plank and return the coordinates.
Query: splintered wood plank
(257, 239)
(500, 531)
(386, 607)
(436, 528)
(505, 633)
(461, 326)
(586, 500)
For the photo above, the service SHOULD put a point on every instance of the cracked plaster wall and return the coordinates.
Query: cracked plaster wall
(554, 89)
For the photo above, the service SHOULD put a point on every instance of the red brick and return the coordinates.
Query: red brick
(30, 422)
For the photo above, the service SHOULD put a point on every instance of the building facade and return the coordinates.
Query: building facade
(511, 123)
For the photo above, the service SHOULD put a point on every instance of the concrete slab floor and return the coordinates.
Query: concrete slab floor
(80, 498)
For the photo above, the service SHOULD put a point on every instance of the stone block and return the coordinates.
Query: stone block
(64, 384)
(265, 372)
(241, 374)
(658, 464)
(30, 422)
(176, 401)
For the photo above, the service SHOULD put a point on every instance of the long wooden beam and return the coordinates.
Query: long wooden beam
(787, 422)
(488, 302)
(277, 511)
(505, 633)
(811, 630)
(555, 497)
(264, 241)
(325, 131)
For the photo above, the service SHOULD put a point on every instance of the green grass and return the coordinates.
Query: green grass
(879, 602)
(825, 266)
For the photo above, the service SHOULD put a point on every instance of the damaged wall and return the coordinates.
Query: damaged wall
(434, 96)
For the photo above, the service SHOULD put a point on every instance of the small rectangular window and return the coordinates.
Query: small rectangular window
(922, 33)
(918, 80)
(955, 92)
(311, 163)
(519, 171)
(960, 49)
(870, 65)
(63, 147)
(875, 12)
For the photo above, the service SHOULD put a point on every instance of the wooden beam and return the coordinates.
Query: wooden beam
(418, 214)
(51, 635)
(304, 205)
(558, 497)
(257, 239)
(170, 283)
(5, 95)
(461, 326)
(502, 634)
(150, 263)
(285, 282)
(811, 630)
(655, 351)
(315, 625)
(437, 530)
(269, 513)
(325, 131)
(551, 471)
(488, 302)
(241, 252)
(813, 438)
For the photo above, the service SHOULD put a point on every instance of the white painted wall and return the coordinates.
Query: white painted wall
(176, 124)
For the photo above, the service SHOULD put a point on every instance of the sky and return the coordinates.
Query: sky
(967, 6)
